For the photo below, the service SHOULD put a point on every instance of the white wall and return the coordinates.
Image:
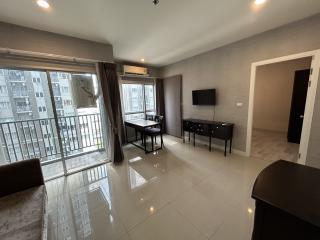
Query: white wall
(228, 70)
(273, 93)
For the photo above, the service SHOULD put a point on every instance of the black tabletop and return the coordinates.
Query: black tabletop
(207, 122)
(292, 188)
(142, 123)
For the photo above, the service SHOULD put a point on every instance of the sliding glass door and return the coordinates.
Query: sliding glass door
(79, 120)
(54, 116)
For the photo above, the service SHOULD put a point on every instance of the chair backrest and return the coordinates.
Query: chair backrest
(150, 117)
(159, 119)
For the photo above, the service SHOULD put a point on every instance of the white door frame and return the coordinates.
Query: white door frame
(308, 114)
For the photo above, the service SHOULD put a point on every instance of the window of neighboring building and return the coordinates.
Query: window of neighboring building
(3, 89)
(37, 94)
(4, 105)
(40, 109)
(138, 100)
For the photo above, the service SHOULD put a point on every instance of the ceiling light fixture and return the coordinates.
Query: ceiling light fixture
(142, 60)
(259, 2)
(43, 4)
(155, 2)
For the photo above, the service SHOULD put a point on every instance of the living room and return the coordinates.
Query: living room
(138, 120)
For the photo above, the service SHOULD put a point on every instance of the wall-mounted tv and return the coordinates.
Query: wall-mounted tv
(204, 97)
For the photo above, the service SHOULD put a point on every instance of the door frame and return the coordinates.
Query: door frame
(310, 101)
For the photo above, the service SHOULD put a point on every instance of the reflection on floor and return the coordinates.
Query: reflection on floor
(272, 146)
(73, 164)
(180, 192)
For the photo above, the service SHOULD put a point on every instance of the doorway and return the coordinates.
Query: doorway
(272, 117)
(279, 102)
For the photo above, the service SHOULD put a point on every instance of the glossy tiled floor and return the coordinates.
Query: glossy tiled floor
(181, 192)
(271, 146)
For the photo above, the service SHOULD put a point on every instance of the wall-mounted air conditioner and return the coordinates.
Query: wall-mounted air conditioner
(133, 70)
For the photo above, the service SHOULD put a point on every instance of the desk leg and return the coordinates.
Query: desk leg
(225, 147)
(189, 136)
(145, 143)
(230, 145)
(126, 133)
(194, 139)
(183, 136)
(136, 134)
(142, 137)
(210, 143)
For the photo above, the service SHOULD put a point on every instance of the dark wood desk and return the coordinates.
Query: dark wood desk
(211, 129)
(287, 203)
(140, 125)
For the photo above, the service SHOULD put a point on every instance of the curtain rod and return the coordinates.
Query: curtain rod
(23, 53)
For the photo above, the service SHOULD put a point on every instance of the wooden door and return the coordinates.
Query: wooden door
(298, 103)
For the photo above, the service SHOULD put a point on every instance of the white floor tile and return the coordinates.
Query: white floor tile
(166, 224)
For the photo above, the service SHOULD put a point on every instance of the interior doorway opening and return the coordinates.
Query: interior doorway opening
(279, 104)
(310, 70)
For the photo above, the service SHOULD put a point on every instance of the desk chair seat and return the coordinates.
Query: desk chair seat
(155, 131)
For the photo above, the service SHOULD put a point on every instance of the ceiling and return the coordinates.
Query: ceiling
(163, 34)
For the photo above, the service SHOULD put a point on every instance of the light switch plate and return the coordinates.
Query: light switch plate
(239, 104)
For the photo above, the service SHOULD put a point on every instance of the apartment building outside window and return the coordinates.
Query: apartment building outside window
(138, 100)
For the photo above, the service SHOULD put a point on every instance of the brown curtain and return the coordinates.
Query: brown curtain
(111, 97)
(160, 97)
(160, 106)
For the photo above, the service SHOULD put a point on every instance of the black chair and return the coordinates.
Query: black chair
(150, 117)
(155, 131)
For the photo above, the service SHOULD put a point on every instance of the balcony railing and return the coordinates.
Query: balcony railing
(21, 109)
(23, 94)
(21, 140)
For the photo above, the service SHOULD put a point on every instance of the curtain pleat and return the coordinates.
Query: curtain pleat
(111, 96)
(160, 105)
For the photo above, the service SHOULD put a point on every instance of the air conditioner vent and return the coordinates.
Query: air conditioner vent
(133, 70)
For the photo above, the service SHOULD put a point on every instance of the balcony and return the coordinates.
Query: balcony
(78, 142)
(16, 77)
(20, 95)
(24, 109)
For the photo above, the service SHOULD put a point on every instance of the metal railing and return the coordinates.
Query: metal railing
(26, 139)
(26, 108)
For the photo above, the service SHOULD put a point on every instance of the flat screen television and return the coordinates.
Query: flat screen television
(204, 97)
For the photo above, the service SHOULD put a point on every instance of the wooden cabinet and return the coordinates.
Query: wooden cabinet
(211, 129)
(287, 203)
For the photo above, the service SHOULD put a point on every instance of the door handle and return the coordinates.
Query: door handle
(301, 116)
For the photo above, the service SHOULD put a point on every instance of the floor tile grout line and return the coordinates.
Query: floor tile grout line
(182, 215)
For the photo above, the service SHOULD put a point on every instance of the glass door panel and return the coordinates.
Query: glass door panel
(27, 124)
(79, 119)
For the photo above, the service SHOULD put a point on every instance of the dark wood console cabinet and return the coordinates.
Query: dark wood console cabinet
(211, 129)
(287, 203)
